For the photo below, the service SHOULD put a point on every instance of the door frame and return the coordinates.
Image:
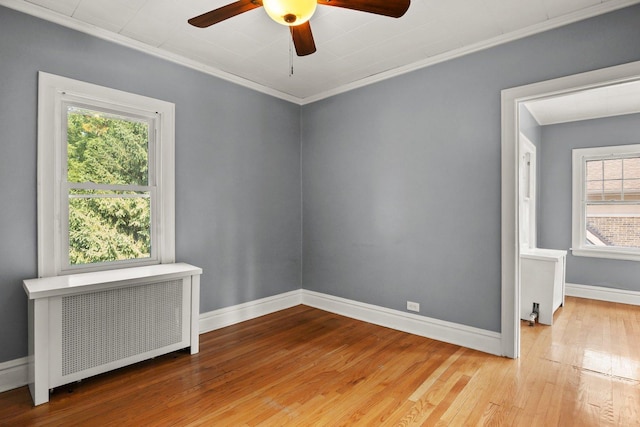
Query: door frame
(510, 251)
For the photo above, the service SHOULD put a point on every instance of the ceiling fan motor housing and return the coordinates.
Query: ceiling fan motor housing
(290, 12)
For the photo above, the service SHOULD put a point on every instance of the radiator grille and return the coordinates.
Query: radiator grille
(106, 326)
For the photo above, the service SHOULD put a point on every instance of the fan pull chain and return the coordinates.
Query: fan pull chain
(291, 57)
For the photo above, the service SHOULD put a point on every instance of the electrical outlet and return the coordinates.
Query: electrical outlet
(413, 306)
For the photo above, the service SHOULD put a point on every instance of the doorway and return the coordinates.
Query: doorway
(511, 217)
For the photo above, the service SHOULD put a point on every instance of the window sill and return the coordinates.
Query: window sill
(630, 255)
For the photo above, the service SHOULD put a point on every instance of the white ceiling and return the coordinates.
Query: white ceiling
(613, 100)
(353, 48)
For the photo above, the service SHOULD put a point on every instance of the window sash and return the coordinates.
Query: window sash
(70, 101)
(616, 178)
(66, 235)
(125, 112)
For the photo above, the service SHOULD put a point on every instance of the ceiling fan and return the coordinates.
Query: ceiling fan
(296, 14)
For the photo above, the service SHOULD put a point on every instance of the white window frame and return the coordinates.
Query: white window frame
(53, 93)
(579, 228)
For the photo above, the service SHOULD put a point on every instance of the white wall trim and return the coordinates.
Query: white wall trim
(602, 294)
(54, 92)
(14, 374)
(559, 21)
(556, 22)
(453, 333)
(101, 33)
(227, 316)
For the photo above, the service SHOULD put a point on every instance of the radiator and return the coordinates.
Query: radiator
(108, 320)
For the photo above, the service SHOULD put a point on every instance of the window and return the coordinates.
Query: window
(105, 178)
(606, 202)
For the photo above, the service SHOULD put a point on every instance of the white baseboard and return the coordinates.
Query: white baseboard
(453, 333)
(602, 294)
(14, 374)
(250, 310)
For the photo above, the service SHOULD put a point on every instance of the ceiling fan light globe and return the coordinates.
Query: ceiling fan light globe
(290, 12)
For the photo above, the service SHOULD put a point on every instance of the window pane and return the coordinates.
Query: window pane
(612, 169)
(612, 189)
(632, 189)
(613, 225)
(632, 168)
(108, 226)
(631, 183)
(594, 180)
(104, 148)
(594, 170)
(594, 190)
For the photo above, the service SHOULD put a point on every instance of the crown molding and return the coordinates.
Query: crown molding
(590, 12)
(66, 21)
(74, 24)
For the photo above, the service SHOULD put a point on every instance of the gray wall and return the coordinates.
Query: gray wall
(237, 167)
(529, 126)
(401, 179)
(554, 224)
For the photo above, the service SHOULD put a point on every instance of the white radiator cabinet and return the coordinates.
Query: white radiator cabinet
(85, 324)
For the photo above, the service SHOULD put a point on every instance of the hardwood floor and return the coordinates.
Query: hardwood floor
(306, 367)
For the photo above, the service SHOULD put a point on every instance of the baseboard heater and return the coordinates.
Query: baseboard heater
(82, 325)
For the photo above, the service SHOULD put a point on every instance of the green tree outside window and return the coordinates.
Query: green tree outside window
(105, 155)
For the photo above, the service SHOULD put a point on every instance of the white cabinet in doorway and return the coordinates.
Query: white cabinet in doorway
(542, 281)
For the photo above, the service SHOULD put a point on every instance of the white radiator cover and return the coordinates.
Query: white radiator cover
(86, 324)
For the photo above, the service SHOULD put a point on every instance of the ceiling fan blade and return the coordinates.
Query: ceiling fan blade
(224, 12)
(303, 39)
(392, 8)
